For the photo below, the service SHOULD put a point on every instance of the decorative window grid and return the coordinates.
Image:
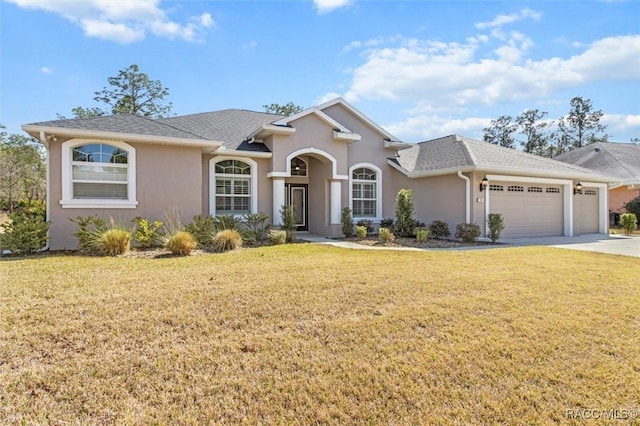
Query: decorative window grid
(590, 192)
(553, 190)
(515, 188)
(534, 189)
(495, 187)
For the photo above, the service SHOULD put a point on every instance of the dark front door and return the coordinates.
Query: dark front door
(297, 197)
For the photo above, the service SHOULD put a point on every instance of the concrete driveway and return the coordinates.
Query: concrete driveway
(601, 243)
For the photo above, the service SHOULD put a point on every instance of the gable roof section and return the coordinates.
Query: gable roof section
(230, 126)
(457, 153)
(621, 160)
(340, 132)
(390, 140)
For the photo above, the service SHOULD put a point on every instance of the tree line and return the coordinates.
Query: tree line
(549, 138)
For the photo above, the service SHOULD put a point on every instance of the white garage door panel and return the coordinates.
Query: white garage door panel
(585, 211)
(529, 210)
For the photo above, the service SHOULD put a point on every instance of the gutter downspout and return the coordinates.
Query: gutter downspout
(467, 196)
(43, 139)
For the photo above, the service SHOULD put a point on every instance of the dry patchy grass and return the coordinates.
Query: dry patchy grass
(310, 334)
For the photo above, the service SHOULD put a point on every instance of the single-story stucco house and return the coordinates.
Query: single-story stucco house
(620, 160)
(320, 160)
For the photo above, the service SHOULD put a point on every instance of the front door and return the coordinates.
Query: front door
(297, 197)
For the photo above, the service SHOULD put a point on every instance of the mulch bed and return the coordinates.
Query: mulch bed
(412, 242)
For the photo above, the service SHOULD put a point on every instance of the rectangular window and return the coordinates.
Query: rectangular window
(233, 195)
(364, 199)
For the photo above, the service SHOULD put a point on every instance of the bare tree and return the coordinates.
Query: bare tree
(500, 131)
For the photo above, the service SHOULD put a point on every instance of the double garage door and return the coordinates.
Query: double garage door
(534, 210)
(528, 210)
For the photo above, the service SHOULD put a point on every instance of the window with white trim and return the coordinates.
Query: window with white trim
(233, 187)
(98, 174)
(364, 187)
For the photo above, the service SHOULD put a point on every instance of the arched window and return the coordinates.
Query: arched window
(98, 174)
(365, 191)
(298, 167)
(234, 187)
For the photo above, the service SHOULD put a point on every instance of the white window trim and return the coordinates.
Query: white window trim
(378, 181)
(212, 183)
(68, 202)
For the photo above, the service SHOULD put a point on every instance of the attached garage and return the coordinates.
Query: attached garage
(528, 209)
(585, 211)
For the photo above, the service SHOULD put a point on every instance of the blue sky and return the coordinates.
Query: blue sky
(421, 69)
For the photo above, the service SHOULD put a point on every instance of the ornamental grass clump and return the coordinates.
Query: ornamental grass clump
(386, 236)
(182, 243)
(226, 240)
(361, 231)
(115, 242)
(422, 235)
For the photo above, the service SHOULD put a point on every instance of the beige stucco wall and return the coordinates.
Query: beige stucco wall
(165, 177)
(434, 198)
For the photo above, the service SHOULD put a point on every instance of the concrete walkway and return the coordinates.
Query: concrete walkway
(610, 244)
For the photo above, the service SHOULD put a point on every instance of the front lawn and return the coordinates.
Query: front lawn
(309, 334)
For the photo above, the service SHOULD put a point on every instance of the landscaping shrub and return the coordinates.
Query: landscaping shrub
(439, 229)
(633, 206)
(368, 224)
(203, 229)
(422, 234)
(361, 231)
(405, 223)
(468, 232)
(629, 222)
(181, 243)
(347, 222)
(25, 233)
(385, 235)
(226, 221)
(277, 236)
(256, 227)
(114, 241)
(419, 224)
(89, 232)
(387, 222)
(147, 234)
(227, 239)
(496, 226)
(288, 217)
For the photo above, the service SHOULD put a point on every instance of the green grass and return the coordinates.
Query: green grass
(311, 334)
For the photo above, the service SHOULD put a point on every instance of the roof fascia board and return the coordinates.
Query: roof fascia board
(128, 137)
(313, 110)
(346, 137)
(238, 153)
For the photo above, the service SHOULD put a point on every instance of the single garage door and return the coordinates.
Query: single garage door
(529, 210)
(585, 211)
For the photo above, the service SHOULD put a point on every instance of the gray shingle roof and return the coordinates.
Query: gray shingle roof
(612, 158)
(122, 123)
(459, 152)
(230, 126)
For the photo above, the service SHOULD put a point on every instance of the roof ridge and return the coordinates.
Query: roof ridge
(615, 157)
(470, 156)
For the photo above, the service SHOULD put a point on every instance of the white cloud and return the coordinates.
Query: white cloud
(250, 45)
(451, 74)
(122, 21)
(326, 6)
(426, 127)
(326, 98)
(46, 70)
(620, 124)
(502, 20)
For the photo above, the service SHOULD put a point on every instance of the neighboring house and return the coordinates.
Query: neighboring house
(320, 160)
(620, 160)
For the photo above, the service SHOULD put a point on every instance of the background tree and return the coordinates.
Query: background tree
(536, 139)
(22, 171)
(500, 131)
(131, 91)
(81, 112)
(287, 110)
(581, 126)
